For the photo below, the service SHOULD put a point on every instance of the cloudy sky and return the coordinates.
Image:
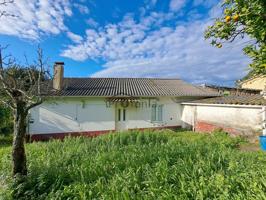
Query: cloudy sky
(124, 38)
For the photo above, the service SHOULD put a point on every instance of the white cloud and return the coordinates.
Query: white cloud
(74, 37)
(35, 17)
(91, 22)
(82, 8)
(176, 5)
(206, 3)
(150, 3)
(149, 49)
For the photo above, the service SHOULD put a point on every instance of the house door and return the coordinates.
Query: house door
(121, 119)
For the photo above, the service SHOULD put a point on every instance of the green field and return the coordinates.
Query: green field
(138, 165)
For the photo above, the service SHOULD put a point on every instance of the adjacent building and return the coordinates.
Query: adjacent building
(235, 114)
(255, 82)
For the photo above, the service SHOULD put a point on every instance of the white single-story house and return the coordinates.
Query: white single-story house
(93, 106)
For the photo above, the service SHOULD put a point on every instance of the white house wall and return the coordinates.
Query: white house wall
(141, 117)
(92, 114)
(188, 116)
(71, 116)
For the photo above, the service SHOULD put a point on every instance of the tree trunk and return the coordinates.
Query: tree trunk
(18, 152)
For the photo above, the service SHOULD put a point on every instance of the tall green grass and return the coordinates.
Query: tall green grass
(139, 165)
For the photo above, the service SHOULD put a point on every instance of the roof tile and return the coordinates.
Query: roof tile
(255, 99)
(137, 87)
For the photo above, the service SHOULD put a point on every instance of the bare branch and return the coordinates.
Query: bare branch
(40, 61)
(5, 13)
(24, 83)
(9, 104)
(237, 33)
(34, 104)
(2, 79)
(6, 2)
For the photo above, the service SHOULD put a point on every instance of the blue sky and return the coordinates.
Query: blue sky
(124, 38)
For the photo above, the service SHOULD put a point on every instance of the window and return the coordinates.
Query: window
(160, 113)
(157, 112)
(121, 115)
(124, 115)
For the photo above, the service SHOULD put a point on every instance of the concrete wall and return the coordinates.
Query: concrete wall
(67, 115)
(244, 120)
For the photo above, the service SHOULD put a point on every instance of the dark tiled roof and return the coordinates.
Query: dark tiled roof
(233, 99)
(137, 87)
(231, 90)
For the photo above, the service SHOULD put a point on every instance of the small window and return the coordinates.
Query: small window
(119, 115)
(157, 113)
(124, 115)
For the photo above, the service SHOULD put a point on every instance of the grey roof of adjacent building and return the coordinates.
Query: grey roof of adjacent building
(233, 100)
(231, 90)
(132, 87)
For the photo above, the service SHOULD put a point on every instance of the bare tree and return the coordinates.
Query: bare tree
(3, 4)
(22, 88)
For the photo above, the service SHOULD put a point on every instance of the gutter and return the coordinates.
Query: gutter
(183, 96)
(223, 105)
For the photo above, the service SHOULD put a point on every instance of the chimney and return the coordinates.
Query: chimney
(58, 75)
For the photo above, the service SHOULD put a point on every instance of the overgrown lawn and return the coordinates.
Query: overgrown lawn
(138, 165)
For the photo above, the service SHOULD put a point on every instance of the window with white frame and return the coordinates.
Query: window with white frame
(157, 113)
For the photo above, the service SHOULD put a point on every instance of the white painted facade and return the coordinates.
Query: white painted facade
(89, 114)
(85, 114)
(245, 118)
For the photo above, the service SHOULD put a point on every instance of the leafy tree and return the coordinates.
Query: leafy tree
(243, 18)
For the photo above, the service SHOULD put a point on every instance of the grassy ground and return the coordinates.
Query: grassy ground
(146, 165)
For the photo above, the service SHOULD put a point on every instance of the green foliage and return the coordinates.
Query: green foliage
(139, 165)
(6, 124)
(243, 18)
(6, 140)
